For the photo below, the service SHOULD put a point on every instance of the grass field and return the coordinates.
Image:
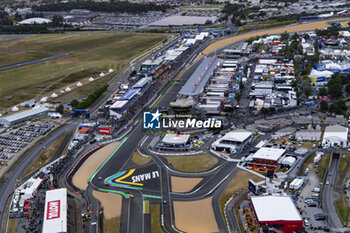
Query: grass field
(92, 53)
(193, 163)
(8, 57)
(138, 159)
(155, 219)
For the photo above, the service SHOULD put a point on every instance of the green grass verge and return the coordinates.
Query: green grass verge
(12, 225)
(155, 219)
(344, 160)
(323, 165)
(343, 207)
(193, 163)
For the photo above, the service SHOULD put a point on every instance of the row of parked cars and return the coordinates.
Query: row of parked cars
(41, 125)
(5, 156)
(26, 133)
(16, 138)
(41, 131)
(12, 143)
(9, 149)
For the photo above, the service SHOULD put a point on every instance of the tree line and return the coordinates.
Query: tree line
(90, 99)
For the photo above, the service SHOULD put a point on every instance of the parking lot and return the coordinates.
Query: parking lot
(14, 139)
(309, 211)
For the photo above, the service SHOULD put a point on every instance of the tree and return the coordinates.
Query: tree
(74, 103)
(323, 106)
(245, 71)
(347, 88)
(57, 20)
(60, 109)
(306, 36)
(335, 87)
(295, 37)
(241, 86)
(307, 85)
(338, 107)
(264, 111)
(284, 36)
(322, 92)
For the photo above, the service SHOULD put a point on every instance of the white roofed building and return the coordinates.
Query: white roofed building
(176, 139)
(55, 215)
(277, 212)
(23, 116)
(335, 135)
(234, 141)
(173, 141)
(266, 158)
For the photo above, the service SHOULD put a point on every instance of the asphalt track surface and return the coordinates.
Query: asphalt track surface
(328, 194)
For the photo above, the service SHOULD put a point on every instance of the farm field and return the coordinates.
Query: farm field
(91, 54)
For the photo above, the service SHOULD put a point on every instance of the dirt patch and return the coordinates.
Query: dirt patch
(195, 216)
(81, 177)
(302, 27)
(180, 184)
(111, 203)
